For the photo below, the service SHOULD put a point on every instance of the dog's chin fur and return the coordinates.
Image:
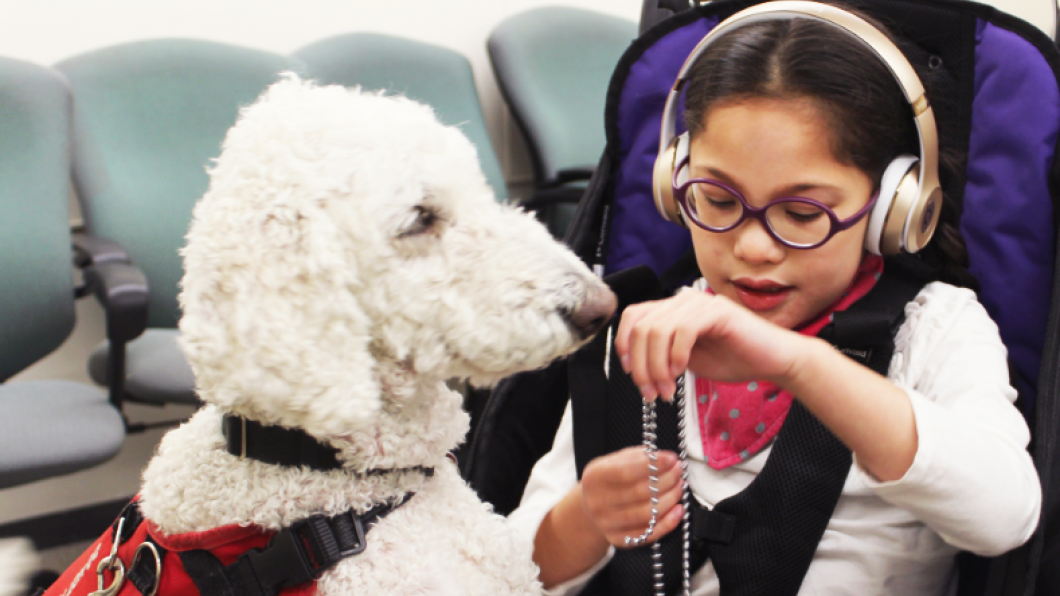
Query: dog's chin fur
(18, 562)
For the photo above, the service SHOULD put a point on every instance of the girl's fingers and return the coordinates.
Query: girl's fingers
(636, 356)
(667, 523)
(620, 479)
(629, 348)
(657, 359)
(684, 317)
(634, 521)
(630, 316)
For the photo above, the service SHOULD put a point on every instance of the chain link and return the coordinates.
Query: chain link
(649, 422)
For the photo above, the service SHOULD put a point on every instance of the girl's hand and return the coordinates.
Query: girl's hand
(709, 335)
(617, 498)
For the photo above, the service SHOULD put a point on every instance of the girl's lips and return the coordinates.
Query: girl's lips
(761, 295)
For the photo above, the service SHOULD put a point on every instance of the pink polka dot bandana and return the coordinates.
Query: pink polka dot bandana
(737, 419)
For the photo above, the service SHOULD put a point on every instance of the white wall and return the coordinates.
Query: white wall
(46, 31)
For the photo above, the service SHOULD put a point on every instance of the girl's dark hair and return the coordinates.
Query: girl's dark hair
(870, 121)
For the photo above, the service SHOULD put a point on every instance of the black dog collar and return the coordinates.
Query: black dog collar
(287, 447)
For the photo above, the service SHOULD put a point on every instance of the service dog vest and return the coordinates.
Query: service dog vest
(138, 574)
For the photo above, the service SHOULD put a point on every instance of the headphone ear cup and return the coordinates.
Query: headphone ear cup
(887, 220)
(663, 179)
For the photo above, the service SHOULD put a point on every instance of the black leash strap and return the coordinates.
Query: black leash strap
(297, 554)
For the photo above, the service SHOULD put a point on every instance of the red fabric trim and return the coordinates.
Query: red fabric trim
(226, 543)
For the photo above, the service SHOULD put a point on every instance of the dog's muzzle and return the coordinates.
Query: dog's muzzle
(594, 312)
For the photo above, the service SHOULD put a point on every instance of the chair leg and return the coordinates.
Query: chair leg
(116, 373)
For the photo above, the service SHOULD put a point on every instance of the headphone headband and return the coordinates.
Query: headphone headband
(896, 62)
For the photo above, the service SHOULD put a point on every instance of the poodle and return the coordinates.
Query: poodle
(347, 260)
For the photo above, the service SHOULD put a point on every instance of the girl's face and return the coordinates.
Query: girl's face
(768, 149)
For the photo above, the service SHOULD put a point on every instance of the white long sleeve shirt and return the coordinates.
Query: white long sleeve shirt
(972, 485)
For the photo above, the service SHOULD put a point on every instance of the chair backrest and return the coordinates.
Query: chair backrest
(148, 118)
(553, 65)
(436, 76)
(1040, 13)
(36, 270)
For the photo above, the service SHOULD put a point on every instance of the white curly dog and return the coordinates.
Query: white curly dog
(347, 260)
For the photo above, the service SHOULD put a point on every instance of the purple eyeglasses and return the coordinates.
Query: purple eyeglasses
(795, 222)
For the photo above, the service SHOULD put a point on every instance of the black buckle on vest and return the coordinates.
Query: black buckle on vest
(712, 526)
(306, 549)
(294, 556)
(357, 540)
(282, 563)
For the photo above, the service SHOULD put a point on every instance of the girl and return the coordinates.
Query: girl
(798, 108)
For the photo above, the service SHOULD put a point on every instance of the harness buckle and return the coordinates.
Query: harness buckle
(358, 539)
(283, 562)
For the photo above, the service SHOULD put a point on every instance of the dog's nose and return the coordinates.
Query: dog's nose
(595, 311)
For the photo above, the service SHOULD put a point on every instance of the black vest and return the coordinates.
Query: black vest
(762, 540)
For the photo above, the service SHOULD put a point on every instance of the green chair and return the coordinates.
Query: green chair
(47, 427)
(148, 118)
(436, 76)
(553, 66)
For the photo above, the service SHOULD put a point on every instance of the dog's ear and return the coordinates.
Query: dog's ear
(271, 325)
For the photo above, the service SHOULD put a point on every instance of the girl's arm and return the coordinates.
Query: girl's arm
(867, 412)
(972, 480)
(718, 339)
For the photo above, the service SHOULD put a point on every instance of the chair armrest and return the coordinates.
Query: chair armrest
(544, 197)
(567, 175)
(121, 289)
(89, 250)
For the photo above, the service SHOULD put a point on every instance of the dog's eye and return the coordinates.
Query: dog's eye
(423, 219)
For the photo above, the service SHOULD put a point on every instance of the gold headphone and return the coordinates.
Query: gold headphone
(907, 210)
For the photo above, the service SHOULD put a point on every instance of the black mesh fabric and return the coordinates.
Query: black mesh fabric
(631, 569)
(783, 513)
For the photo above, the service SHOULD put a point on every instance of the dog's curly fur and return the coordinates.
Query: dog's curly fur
(347, 260)
(18, 561)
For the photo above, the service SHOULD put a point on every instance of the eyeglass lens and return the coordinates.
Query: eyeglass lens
(801, 224)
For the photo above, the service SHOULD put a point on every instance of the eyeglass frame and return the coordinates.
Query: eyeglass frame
(837, 225)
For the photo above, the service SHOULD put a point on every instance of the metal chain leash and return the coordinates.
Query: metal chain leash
(649, 421)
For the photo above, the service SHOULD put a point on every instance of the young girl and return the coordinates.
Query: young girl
(798, 108)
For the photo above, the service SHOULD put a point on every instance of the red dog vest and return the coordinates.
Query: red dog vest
(226, 543)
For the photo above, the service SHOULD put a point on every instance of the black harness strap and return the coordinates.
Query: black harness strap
(143, 569)
(761, 540)
(141, 572)
(295, 555)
